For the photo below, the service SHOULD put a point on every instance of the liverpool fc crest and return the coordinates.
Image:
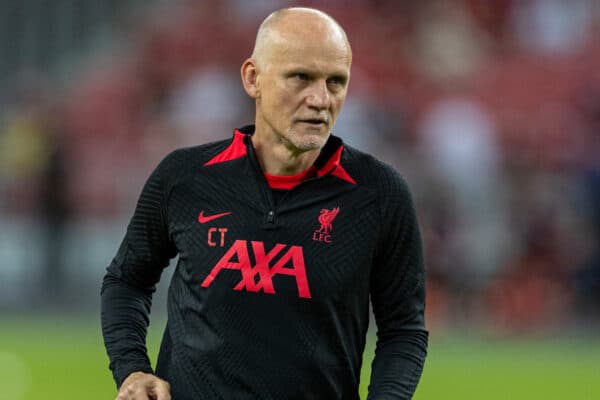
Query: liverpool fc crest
(326, 217)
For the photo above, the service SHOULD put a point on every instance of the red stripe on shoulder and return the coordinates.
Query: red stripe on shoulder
(341, 173)
(334, 166)
(236, 149)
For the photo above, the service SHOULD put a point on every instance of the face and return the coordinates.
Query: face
(302, 86)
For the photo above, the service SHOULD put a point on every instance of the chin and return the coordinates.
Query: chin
(308, 140)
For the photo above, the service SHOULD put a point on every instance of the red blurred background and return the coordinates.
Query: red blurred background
(491, 109)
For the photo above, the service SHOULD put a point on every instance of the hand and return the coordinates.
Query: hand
(142, 386)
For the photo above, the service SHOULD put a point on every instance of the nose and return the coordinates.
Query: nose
(319, 96)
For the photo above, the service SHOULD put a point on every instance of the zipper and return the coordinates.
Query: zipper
(272, 208)
(266, 189)
(272, 213)
(262, 182)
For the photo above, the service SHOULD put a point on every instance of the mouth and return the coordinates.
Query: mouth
(314, 121)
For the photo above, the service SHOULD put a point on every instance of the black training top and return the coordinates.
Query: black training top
(270, 299)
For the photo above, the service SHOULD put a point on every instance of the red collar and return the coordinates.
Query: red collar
(236, 149)
(328, 162)
(287, 182)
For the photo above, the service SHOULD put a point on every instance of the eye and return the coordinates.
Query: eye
(336, 81)
(301, 76)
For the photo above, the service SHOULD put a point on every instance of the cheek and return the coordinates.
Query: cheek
(284, 106)
(278, 97)
(336, 105)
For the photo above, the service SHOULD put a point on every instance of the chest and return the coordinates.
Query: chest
(311, 245)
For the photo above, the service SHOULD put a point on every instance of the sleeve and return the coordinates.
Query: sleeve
(130, 280)
(398, 297)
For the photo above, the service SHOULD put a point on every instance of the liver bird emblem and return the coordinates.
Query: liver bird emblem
(326, 218)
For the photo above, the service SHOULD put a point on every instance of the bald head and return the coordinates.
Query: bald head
(298, 76)
(296, 25)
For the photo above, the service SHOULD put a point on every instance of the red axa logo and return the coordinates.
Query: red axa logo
(259, 277)
(323, 234)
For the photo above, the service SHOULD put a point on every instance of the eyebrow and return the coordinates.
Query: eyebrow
(302, 70)
(342, 77)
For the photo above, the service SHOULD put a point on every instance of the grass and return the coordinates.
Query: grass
(64, 358)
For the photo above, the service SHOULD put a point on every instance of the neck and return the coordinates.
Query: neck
(279, 157)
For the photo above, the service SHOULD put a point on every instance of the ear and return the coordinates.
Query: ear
(249, 72)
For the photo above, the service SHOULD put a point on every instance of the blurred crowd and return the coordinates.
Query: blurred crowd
(491, 109)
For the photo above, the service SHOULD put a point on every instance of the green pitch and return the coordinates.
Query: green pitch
(64, 359)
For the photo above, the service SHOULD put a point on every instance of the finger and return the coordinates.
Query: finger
(133, 392)
(162, 390)
(124, 395)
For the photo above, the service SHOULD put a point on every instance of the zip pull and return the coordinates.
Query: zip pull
(271, 216)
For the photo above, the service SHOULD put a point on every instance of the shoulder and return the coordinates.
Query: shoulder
(373, 173)
(180, 162)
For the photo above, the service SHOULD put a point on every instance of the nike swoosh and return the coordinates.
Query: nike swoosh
(204, 219)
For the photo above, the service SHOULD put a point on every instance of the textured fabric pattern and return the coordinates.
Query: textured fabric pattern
(270, 299)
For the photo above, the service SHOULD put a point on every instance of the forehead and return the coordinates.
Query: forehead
(312, 50)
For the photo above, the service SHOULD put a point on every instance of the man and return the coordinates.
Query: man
(282, 233)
